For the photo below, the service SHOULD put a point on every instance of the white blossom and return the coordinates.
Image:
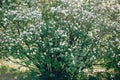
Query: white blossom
(117, 40)
(34, 53)
(0, 9)
(28, 53)
(62, 43)
(53, 9)
(90, 33)
(119, 63)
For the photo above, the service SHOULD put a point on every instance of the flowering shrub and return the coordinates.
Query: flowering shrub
(61, 38)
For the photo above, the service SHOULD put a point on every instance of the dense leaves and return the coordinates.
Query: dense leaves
(61, 38)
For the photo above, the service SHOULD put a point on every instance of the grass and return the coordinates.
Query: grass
(12, 71)
(7, 73)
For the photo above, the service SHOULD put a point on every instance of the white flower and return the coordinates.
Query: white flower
(117, 40)
(44, 53)
(62, 43)
(59, 9)
(0, 9)
(65, 12)
(60, 32)
(53, 9)
(72, 55)
(75, 27)
(90, 33)
(24, 32)
(119, 47)
(28, 53)
(57, 48)
(51, 43)
(5, 19)
(119, 63)
(34, 53)
(73, 62)
(70, 49)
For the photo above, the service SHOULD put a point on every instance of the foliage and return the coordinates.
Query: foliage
(61, 38)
